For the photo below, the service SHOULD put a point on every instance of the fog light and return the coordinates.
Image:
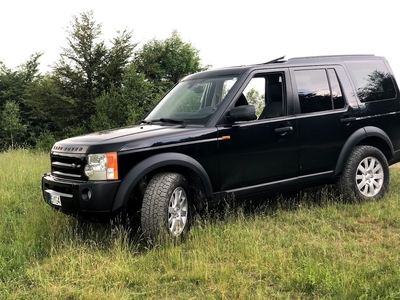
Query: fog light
(86, 194)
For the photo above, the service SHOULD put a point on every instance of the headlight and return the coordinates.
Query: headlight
(102, 166)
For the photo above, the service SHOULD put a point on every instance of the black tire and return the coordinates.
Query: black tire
(166, 208)
(365, 176)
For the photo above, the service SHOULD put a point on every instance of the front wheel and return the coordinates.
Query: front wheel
(366, 175)
(166, 207)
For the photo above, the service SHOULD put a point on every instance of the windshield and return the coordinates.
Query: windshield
(192, 101)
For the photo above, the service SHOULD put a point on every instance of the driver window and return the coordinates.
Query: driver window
(255, 94)
(265, 92)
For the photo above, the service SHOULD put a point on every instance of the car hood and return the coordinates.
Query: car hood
(131, 138)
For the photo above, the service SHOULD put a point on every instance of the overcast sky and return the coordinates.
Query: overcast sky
(225, 32)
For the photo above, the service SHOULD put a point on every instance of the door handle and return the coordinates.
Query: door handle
(283, 129)
(348, 120)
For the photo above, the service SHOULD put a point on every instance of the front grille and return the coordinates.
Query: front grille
(69, 166)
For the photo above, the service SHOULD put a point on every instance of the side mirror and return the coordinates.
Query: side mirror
(242, 113)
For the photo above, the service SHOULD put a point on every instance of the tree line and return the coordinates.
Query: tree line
(93, 86)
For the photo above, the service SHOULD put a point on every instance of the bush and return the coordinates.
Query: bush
(45, 141)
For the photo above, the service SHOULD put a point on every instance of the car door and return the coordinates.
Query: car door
(260, 155)
(325, 118)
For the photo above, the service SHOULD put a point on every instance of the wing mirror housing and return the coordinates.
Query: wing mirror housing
(241, 113)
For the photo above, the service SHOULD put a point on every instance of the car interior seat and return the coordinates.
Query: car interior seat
(273, 108)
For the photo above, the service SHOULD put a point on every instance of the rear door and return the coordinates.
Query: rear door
(325, 118)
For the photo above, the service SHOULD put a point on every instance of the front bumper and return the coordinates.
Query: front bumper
(74, 197)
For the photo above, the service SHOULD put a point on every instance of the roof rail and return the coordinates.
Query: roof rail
(327, 56)
(274, 60)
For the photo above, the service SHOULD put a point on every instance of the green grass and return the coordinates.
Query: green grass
(310, 248)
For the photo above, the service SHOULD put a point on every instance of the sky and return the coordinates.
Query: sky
(226, 33)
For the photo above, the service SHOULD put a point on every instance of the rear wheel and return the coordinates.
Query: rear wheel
(366, 175)
(166, 207)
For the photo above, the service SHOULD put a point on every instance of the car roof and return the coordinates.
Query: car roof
(281, 63)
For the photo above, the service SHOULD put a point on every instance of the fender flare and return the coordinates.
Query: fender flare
(154, 162)
(356, 138)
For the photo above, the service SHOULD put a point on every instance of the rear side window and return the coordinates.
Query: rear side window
(372, 79)
(318, 90)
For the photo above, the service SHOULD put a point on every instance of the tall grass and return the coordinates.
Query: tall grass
(311, 247)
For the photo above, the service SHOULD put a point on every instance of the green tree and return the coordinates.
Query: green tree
(254, 97)
(80, 62)
(125, 105)
(13, 83)
(50, 110)
(155, 69)
(12, 128)
(165, 62)
(14, 86)
(117, 59)
(87, 68)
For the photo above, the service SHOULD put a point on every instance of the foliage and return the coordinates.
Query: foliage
(80, 62)
(12, 129)
(126, 105)
(45, 141)
(93, 86)
(164, 63)
(254, 98)
(88, 68)
(116, 60)
(50, 109)
(13, 83)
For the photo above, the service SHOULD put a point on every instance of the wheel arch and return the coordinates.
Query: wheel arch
(369, 135)
(160, 163)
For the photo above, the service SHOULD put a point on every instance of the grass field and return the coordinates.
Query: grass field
(314, 247)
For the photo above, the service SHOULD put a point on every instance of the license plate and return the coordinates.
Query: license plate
(55, 199)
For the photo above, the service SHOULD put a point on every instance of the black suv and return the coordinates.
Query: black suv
(239, 131)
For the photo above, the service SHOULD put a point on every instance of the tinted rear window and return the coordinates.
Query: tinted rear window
(372, 79)
(318, 90)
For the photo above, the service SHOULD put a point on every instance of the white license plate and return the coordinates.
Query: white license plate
(55, 199)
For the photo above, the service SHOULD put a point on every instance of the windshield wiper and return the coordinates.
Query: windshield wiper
(146, 122)
(173, 121)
